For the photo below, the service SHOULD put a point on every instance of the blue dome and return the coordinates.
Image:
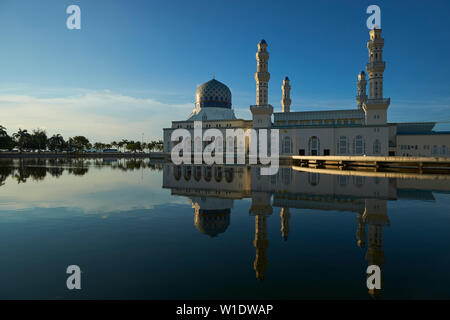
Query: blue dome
(213, 94)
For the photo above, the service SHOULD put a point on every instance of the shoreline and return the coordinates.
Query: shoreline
(58, 155)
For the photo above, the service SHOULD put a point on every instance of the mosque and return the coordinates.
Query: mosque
(362, 130)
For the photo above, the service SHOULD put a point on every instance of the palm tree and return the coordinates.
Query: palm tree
(99, 146)
(120, 145)
(56, 143)
(22, 137)
(114, 144)
(124, 142)
(151, 145)
(3, 132)
(39, 139)
(160, 145)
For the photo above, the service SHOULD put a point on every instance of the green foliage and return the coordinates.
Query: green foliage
(6, 142)
(37, 140)
(56, 143)
(79, 143)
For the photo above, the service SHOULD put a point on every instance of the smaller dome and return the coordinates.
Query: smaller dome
(286, 78)
(263, 41)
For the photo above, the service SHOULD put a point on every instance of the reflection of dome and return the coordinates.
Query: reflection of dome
(213, 94)
(212, 222)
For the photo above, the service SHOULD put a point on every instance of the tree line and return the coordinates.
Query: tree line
(24, 140)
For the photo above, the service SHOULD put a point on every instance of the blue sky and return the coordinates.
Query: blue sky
(135, 65)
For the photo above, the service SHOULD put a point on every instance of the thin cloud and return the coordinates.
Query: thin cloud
(100, 116)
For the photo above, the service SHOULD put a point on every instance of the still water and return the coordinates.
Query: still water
(140, 230)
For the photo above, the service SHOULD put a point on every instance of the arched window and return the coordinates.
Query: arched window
(273, 179)
(218, 173)
(286, 175)
(197, 173)
(358, 181)
(444, 150)
(287, 145)
(343, 180)
(314, 146)
(358, 145)
(177, 172)
(342, 145)
(229, 174)
(377, 147)
(187, 172)
(207, 173)
(313, 178)
(434, 151)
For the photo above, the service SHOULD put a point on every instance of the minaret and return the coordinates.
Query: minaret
(286, 100)
(262, 75)
(376, 106)
(285, 215)
(262, 111)
(361, 98)
(261, 208)
(261, 243)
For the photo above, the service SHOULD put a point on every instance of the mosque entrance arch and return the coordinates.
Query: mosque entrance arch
(314, 146)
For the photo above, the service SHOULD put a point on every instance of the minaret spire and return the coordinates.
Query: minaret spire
(286, 100)
(262, 75)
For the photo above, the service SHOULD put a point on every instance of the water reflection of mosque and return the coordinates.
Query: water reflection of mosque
(212, 191)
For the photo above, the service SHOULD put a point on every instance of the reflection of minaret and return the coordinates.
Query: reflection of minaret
(375, 216)
(261, 243)
(261, 208)
(361, 231)
(285, 215)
